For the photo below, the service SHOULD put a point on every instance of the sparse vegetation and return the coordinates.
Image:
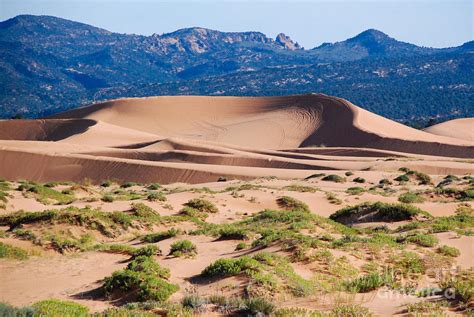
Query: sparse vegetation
(159, 236)
(143, 278)
(202, 205)
(334, 178)
(289, 203)
(448, 251)
(183, 248)
(12, 252)
(410, 198)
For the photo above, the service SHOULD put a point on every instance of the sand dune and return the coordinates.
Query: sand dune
(459, 128)
(197, 139)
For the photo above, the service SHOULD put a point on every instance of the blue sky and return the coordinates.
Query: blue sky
(432, 23)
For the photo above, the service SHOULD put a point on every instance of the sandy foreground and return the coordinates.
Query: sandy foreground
(260, 149)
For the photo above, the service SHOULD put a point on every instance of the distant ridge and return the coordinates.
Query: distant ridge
(51, 64)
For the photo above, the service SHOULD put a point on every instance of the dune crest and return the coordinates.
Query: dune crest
(196, 139)
(462, 129)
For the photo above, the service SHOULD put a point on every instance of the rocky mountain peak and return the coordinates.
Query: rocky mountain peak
(287, 42)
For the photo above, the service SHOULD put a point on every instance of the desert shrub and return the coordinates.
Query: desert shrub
(233, 232)
(193, 213)
(55, 307)
(348, 173)
(125, 311)
(350, 311)
(402, 178)
(425, 308)
(12, 252)
(143, 277)
(334, 178)
(424, 240)
(300, 188)
(149, 250)
(229, 267)
(332, 198)
(143, 211)
(106, 183)
(183, 248)
(47, 195)
(290, 203)
(156, 196)
(355, 190)
(116, 248)
(359, 180)
(461, 285)
(202, 205)
(195, 302)
(154, 186)
(108, 198)
(408, 263)
(258, 306)
(129, 184)
(410, 198)
(7, 310)
(315, 176)
(378, 212)
(241, 246)
(159, 236)
(384, 182)
(448, 251)
(368, 282)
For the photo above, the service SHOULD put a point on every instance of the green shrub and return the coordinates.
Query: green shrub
(420, 239)
(232, 232)
(355, 190)
(241, 246)
(290, 203)
(402, 178)
(378, 212)
(129, 184)
(143, 211)
(229, 267)
(334, 178)
(449, 251)
(384, 182)
(143, 277)
(300, 188)
(461, 285)
(7, 310)
(258, 306)
(368, 282)
(47, 195)
(348, 173)
(149, 250)
(154, 186)
(410, 198)
(183, 248)
(12, 252)
(359, 180)
(156, 196)
(193, 213)
(408, 263)
(108, 198)
(159, 236)
(55, 307)
(350, 311)
(315, 176)
(202, 205)
(106, 183)
(195, 302)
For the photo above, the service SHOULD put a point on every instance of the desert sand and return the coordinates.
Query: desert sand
(241, 155)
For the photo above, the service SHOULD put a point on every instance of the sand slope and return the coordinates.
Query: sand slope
(197, 139)
(459, 128)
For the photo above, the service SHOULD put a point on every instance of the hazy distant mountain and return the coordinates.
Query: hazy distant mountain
(50, 64)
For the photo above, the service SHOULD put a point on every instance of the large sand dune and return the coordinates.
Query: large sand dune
(459, 128)
(197, 139)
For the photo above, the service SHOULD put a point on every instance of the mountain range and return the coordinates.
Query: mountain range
(49, 64)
